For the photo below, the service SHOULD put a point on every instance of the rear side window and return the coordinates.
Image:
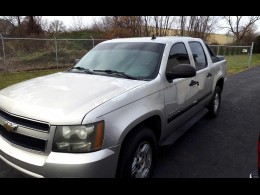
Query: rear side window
(212, 54)
(198, 55)
(213, 57)
(178, 55)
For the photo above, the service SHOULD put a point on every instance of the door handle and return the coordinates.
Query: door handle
(194, 83)
(209, 75)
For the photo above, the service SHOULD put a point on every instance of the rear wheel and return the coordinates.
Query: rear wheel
(215, 102)
(138, 154)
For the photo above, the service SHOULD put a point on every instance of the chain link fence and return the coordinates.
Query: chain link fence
(22, 54)
(238, 57)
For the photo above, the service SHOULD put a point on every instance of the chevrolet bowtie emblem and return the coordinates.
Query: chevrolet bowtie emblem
(11, 127)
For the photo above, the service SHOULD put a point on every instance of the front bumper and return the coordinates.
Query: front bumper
(97, 164)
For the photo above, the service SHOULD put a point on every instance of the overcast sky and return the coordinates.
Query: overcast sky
(87, 20)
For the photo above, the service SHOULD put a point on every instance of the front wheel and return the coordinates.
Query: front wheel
(138, 154)
(214, 104)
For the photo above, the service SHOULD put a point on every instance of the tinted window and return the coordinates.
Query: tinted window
(198, 55)
(140, 60)
(213, 57)
(178, 55)
(211, 53)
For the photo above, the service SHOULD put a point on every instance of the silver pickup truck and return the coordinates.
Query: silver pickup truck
(106, 116)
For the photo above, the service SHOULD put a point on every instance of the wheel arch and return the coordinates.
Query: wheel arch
(220, 83)
(152, 121)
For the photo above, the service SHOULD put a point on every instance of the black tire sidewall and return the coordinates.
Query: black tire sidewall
(212, 112)
(128, 150)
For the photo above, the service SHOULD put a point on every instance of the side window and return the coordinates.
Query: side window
(198, 55)
(212, 54)
(213, 57)
(178, 55)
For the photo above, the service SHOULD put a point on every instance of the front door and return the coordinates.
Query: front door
(180, 94)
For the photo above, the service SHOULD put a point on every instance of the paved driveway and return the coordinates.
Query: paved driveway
(221, 147)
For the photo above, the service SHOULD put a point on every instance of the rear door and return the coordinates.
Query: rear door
(204, 74)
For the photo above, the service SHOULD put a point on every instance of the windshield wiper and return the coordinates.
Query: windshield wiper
(117, 73)
(83, 69)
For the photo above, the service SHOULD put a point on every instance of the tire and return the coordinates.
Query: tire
(138, 155)
(215, 102)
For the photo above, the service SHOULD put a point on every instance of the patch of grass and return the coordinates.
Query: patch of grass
(255, 60)
(7, 79)
(238, 63)
(36, 57)
(41, 58)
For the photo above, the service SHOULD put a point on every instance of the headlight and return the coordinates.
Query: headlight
(86, 138)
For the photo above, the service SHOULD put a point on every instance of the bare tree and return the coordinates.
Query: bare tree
(15, 20)
(134, 26)
(119, 26)
(250, 36)
(239, 26)
(32, 25)
(146, 22)
(131, 25)
(197, 26)
(56, 26)
(183, 20)
(6, 27)
(78, 24)
(42, 22)
(27, 25)
(162, 24)
(97, 25)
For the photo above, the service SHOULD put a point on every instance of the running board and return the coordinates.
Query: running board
(170, 139)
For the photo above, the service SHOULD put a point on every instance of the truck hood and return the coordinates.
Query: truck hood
(62, 98)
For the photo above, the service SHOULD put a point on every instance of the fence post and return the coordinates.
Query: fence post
(250, 57)
(218, 50)
(3, 44)
(56, 48)
(93, 42)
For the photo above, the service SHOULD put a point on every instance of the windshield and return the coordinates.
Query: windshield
(138, 60)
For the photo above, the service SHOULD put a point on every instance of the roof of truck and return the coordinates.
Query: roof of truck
(167, 39)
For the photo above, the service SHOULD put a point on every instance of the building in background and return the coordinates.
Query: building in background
(220, 39)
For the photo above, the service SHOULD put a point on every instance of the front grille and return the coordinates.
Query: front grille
(24, 122)
(23, 140)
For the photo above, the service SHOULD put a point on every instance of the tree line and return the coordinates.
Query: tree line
(243, 28)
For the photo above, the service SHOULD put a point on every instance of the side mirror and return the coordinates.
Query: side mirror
(214, 59)
(76, 61)
(217, 58)
(220, 58)
(181, 71)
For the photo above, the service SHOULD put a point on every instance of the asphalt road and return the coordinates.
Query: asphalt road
(214, 148)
